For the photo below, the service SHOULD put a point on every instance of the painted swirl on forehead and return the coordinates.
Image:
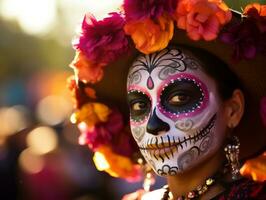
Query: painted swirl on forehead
(170, 60)
(181, 66)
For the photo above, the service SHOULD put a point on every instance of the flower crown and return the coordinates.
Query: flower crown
(147, 26)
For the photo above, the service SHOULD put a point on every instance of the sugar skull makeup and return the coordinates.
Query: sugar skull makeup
(174, 111)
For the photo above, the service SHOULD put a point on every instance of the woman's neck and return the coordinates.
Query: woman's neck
(185, 182)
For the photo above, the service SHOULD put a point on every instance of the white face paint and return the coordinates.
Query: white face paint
(174, 111)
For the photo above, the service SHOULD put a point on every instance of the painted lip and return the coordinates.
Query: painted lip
(166, 146)
(162, 153)
(166, 149)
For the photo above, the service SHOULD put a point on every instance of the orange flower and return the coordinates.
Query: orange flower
(255, 168)
(260, 8)
(202, 18)
(85, 70)
(80, 95)
(115, 165)
(91, 114)
(90, 92)
(150, 36)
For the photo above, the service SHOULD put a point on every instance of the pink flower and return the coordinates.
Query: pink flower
(103, 41)
(143, 9)
(202, 18)
(263, 110)
(102, 133)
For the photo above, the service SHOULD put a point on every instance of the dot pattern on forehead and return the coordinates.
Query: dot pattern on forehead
(196, 109)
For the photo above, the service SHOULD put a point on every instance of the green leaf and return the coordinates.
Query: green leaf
(239, 5)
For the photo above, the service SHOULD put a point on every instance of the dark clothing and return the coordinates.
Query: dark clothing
(244, 189)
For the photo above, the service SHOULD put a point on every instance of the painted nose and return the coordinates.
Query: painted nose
(155, 124)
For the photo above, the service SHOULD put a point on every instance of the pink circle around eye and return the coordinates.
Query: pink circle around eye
(202, 105)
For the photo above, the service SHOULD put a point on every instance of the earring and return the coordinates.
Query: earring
(232, 155)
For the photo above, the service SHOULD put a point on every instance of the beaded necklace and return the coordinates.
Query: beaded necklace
(194, 194)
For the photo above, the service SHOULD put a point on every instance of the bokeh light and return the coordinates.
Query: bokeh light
(39, 16)
(42, 140)
(35, 104)
(34, 16)
(13, 119)
(101, 8)
(53, 109)
(30, 162)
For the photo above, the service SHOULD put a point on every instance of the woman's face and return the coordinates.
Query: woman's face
(176, 115)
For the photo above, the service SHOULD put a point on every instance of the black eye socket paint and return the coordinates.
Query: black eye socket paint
(139, 104)
(181, 96)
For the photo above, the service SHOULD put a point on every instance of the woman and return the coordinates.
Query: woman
(181, 122)
(187, 100)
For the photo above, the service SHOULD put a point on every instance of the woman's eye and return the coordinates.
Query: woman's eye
(138, 106)
(179, 99)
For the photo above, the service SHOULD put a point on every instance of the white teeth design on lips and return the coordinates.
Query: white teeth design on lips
(151, 146)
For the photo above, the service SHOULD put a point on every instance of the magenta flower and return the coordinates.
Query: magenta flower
(103, 41)
(244, 39)
(102, 133)
(247, 37)
(142, 9)
(263, 110)
(259, 20)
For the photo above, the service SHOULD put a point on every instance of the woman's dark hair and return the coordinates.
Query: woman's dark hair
(226, 80)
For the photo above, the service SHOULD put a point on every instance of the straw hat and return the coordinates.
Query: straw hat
(108, 77)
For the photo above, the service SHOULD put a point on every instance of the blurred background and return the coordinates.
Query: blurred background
(39, 153)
